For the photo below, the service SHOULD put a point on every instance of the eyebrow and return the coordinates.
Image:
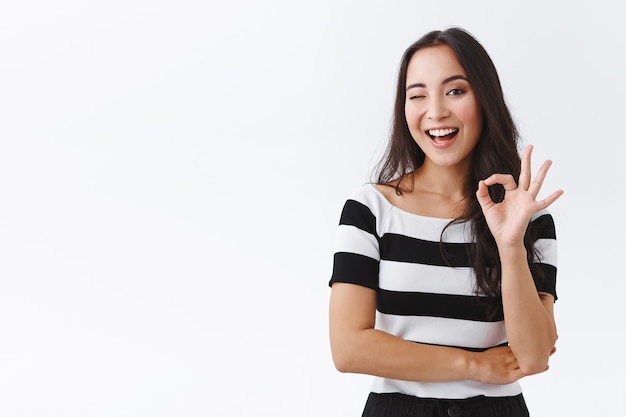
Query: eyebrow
(446, 81)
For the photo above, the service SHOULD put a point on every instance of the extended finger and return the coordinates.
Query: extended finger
(542, 204)
(524, 176)
(535, 186)
(506, 180)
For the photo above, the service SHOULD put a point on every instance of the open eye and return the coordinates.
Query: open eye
(455, 92)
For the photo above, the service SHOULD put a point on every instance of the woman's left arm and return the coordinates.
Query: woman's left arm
(528, 315)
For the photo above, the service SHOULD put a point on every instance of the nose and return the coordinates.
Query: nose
(437, 109)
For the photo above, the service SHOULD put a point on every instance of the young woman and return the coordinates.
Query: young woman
(444, 273)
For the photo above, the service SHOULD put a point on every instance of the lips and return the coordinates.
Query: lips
(442, 136)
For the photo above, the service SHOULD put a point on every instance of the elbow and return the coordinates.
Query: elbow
(343, 360)
(346, 354)
(532, 367)
(342, 365)
(536, 363)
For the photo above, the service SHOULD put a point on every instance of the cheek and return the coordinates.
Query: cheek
(410, 119)
(470, 115)
(412, 115)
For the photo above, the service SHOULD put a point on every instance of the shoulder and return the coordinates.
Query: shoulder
(543, 224)
(367, 209)
(371, 198)
(541, 213)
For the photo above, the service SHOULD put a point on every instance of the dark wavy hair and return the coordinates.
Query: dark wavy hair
(495, 152)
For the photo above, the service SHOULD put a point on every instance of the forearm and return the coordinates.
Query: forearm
(530, 327)
(375, 352)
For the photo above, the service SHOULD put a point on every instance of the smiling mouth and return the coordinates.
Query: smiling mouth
(442, 135)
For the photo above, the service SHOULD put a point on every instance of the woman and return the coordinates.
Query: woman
(444, 274)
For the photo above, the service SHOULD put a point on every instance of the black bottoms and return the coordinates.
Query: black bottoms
(401, 405)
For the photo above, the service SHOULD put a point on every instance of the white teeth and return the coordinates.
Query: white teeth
(441, 132)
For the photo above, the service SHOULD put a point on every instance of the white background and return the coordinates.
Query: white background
(172, 173)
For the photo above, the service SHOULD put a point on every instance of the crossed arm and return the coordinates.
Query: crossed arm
(357, 347)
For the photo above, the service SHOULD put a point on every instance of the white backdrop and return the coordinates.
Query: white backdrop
(172, 173)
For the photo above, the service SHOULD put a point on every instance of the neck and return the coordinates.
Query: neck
(446, 181)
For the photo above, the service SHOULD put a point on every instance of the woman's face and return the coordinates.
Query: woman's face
(441, 109)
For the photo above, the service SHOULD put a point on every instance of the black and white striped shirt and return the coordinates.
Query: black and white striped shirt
(426, 294)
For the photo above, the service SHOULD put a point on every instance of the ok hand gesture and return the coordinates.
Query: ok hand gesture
(509, 219)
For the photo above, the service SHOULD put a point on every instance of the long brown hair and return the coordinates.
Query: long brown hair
(495, 152)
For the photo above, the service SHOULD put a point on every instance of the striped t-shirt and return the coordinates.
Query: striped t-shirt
(426, 289)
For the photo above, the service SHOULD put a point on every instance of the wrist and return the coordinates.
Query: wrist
(511, 249)
(471, 365)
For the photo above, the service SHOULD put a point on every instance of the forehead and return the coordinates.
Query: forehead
(433, 64)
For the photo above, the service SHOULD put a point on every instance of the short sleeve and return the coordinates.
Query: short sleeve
(357, 256)
(545, 257)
